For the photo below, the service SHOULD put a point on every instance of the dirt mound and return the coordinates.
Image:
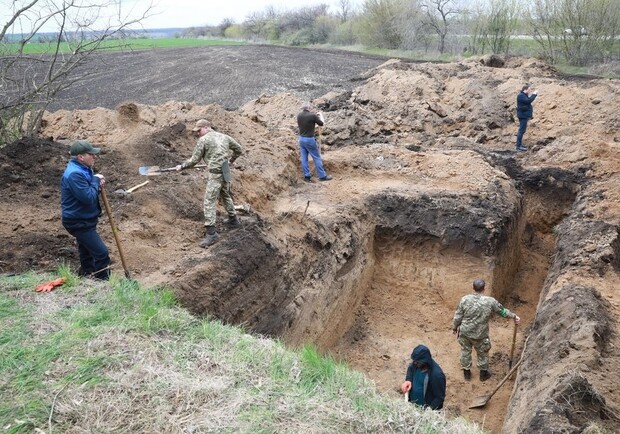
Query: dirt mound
(32, 164)
(427, 195)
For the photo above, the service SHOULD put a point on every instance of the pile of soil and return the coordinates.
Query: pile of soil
(428, 194)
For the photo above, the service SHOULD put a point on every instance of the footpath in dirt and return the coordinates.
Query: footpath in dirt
(428, 194)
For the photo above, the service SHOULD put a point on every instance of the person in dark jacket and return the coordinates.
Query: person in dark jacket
(425, 381)
(525, 112)
(306, 120)
(79, 202)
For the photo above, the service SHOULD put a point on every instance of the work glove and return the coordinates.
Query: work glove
(49, 286)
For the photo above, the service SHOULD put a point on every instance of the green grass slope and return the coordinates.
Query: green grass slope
(115, 357)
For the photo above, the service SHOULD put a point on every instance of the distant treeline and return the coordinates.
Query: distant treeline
(576, 32)
(46, 37)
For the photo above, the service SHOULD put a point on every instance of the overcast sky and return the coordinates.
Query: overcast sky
(187, 13)
(178, 13)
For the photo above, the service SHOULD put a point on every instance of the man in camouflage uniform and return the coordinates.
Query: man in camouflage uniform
(214, 148)
(471, 325)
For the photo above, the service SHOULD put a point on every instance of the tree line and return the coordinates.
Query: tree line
(574, 32)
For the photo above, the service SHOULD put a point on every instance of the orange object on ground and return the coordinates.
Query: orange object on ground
(49, 286)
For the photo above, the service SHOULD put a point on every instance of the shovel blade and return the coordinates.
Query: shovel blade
(154, 170)
(481, 401)
(149, 170)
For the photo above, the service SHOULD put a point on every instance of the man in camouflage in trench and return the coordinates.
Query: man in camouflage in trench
(214, 148)
(471, 326)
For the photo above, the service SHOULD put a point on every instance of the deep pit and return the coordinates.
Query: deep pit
(427, 196)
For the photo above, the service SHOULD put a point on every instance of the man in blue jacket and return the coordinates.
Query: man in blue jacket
(525, 112)
(79, 202)
(425, 381)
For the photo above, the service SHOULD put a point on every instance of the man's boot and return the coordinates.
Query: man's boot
(233, 221)
(211, 237)
(467, 374)
(484, 375)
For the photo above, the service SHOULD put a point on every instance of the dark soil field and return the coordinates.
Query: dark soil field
(428, 194)
(226, 76)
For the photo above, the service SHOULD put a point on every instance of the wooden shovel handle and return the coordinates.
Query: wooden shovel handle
(108, 211)
(501, 383)
(512, 349)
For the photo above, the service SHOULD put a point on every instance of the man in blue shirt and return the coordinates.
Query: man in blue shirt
(525, 112)
(425, 381)
(79, 202)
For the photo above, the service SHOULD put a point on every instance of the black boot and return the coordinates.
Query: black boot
(484, 375)
(211, 238)
(233, 221)
(467, 374)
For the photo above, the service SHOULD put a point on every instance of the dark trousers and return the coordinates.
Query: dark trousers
(521, 132)
(94, 256)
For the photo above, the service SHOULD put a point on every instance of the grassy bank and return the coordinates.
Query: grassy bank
(115, 357)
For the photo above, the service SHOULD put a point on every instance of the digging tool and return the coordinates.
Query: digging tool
(113, 226)
(135, 187)
(156, 170)
(482, 400)
(512, 349)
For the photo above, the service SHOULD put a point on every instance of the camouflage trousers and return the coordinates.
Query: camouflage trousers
(482, 347)
(217, 188)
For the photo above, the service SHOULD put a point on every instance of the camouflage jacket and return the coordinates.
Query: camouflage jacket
(473, 315)
(214, 148)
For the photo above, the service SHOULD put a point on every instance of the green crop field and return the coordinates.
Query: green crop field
(117, 44)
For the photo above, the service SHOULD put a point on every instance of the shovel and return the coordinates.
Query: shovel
(482, 400)
(156, 170)
(512, 349)
(108, 211)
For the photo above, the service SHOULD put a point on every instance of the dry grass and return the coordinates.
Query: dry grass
(120, 358)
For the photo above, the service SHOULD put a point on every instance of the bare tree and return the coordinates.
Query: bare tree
(30, 82)
(576, 31)
(438, 13)
(493, 26)
(345, 10)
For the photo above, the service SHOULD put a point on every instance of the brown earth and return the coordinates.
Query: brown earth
(428, 195)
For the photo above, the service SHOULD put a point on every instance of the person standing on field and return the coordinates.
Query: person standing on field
(525, 112)
(306, 120)
(471, 326)
(215, 149)
(80, 209)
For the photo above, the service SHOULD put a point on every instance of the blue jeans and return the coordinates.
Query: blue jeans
(521, 132)
(94, 255)
(307, 145)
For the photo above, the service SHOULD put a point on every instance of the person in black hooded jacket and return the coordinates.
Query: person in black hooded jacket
(425, 382)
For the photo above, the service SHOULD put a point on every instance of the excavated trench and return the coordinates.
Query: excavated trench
(418, 279)
(370, 284)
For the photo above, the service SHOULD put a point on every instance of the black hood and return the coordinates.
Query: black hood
(422, 354)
